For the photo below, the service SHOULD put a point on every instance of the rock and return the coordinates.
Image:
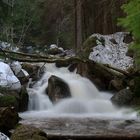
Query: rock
(123, 97)
(130, 53)
(23, 76)
(137, 86)
(60, 64)
(8, 119)
(128, 38)
(116, 84)
(33, 70)
(57, 89)
(113, 41)
(7, 78)
(72, 67)
(23, 100)
(54, 51)
(27, 132)
(18, 100)
(9, 101)
(16, 67)
(3, 137)
(98, 75)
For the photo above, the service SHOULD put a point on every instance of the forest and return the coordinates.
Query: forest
(69, 69)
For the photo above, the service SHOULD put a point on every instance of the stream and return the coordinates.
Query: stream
(88, 112)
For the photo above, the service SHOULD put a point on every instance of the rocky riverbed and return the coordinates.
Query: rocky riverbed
(87, 128)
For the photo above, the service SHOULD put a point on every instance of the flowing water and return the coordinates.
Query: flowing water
(86, 100)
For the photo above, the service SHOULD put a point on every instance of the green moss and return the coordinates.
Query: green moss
(6, 101)
(137, 86)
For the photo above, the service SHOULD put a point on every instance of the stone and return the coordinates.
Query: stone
(123, 98)
(3, 137)
(11, 98)
(23, 76)
(33, 70)
(23, 100)
(27, 132)
(116, 84)
(7, 78)
(8, 118)
(57, 89)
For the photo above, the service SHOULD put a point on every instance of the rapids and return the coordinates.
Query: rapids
(86, 100)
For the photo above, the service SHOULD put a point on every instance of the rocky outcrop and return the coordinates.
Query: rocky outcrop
(123, 98)
(27, 132)
(11, 98)
(57, 89)
(8, 119)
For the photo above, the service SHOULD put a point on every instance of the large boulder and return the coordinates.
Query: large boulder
(123, 98)
(8, 118)
(57, 89)
(7, 77)
(27, 132)
(12, 98)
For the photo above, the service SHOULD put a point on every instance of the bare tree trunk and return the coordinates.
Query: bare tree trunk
(78, 24)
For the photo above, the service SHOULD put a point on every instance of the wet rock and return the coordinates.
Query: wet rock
(23, 100)
(9, 101)
(33, 70)
(18, 100)
(57, 89)
(23, 76)
(116, 84)
(72, 67)
(27, 132)
(8, 118)
(123, 97)
(60, 64)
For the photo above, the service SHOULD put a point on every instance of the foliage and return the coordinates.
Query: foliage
(17, 20)
(132, 23)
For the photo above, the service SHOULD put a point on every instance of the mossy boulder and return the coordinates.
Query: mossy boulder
(33, 70)
(23, 100)
(27, 132)
(18, 100)
(137, 86)
(57, 89)
(87, 46)
(8, 118)
(9, 101)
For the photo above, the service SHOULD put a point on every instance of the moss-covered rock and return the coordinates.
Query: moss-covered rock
(23, 100)
(8, 118)
(8, 101)
(27, 132)
(18, 100)
(137, 86)
(87, 46)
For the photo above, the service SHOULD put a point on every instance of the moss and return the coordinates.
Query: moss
(137, 86)
(8, 101)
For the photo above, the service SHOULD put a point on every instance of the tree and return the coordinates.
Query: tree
(132, 23)
(17, 18)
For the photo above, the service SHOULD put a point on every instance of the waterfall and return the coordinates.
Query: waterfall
(86, 100)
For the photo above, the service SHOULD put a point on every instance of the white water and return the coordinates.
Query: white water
(86, 100)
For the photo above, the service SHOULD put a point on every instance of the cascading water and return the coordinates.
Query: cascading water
(86, 100)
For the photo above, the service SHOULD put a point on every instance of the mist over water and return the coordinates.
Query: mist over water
(86, 100)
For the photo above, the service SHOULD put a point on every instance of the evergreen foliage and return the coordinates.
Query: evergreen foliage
(132, 23)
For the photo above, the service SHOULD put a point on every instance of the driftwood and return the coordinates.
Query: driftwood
(33, 58)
